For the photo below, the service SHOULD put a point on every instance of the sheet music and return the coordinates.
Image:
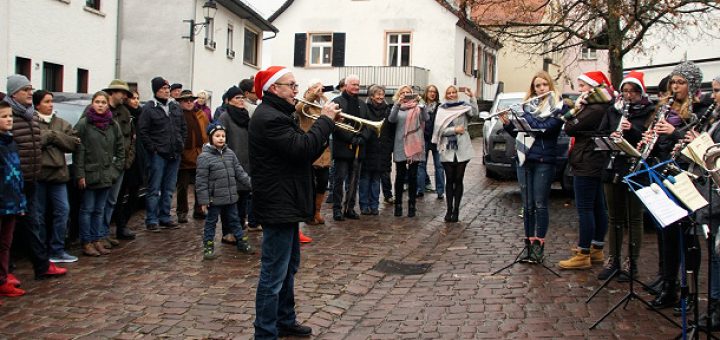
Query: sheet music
(604, 144)
(685, 191)
(522, 125)
(695, 151)
(660, 205)
(627, 148)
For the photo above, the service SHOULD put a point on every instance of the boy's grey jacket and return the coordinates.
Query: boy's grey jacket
(218, 172)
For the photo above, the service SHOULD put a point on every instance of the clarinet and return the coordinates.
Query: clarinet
(647, 147)
(626, 115)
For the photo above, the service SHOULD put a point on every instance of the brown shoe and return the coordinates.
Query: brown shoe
(100, 247)
(229, 239)
(89, 250)
(113, 242)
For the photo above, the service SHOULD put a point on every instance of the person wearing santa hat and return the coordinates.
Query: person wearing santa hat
(281, 158)
(628, 118)
(587, 166)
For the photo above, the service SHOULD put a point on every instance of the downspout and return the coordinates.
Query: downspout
(192, 48)
(118, 39)
(273, 36)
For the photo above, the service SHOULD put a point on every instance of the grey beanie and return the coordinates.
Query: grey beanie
(717, 78)
(16, 82)
(691, 73)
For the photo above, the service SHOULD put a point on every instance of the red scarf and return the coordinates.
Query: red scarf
(414, 144)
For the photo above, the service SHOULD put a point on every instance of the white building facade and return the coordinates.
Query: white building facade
(155, 42)
(60, 45)
(391, 43)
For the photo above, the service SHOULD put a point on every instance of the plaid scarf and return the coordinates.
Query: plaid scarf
(414, 144)
(598, 95)
(523, 140)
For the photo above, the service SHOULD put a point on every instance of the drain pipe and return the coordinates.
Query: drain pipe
(118, 40)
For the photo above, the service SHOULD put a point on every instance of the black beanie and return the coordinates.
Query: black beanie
(157, 83)
(232, 92)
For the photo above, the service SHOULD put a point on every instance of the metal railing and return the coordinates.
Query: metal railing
(388, 76)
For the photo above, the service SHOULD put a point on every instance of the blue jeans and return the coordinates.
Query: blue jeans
(91, 214)
(592, 211)
(57, 195)
(275, 297)
(439, 171)
(110, 205)
(369, 189)
(229, 213)
(162, 177)
(535, 180)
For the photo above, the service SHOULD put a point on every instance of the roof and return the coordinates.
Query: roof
(498, 13)
(246, 12)
(463, 22)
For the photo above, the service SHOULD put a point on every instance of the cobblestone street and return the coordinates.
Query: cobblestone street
(157, 286)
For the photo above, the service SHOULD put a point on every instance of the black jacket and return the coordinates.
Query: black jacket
(342, 147)
(281, 157)
(583, 159)
(160, 132)
(378, 150)
(640, 116)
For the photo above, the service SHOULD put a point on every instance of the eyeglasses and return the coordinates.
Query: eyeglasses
(629, 91)
(293, 86)
(679, 82)
(241, 97)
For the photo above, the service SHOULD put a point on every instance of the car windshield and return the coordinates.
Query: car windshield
(71, 110)
(503, 104)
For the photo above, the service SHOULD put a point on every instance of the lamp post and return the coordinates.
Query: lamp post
(209, 10)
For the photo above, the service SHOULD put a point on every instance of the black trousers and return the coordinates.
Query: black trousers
(321, 179)
(405, 170)
(26, 237)
(343, 172)
(185, 178)
(671, 249)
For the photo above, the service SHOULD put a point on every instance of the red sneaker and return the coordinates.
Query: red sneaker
(11, 279)
(303, 238)
(9, 290)
(55, 270)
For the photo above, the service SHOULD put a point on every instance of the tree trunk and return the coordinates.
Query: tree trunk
(615, 43)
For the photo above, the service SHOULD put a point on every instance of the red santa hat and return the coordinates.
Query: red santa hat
(594, 78)
(635, 77)
(265, 78)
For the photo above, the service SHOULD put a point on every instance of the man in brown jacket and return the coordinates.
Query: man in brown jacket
(197, 123)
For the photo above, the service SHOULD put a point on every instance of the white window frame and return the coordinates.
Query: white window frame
(399, 46)
(230, 41)
(322, 46)
(587, 53)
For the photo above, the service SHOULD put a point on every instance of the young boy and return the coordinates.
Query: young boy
(12, 200)
(218, 172)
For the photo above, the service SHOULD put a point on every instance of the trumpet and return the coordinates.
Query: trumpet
(356, 123)
(532, 105)
(711, 157)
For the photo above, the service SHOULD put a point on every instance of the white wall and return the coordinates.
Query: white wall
(60, 33)
(435, 36)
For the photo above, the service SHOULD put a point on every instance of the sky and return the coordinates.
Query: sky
(265, 7)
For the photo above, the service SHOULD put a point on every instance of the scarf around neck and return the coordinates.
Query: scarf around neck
(240, 116)
(25, 111)
(446, 115)
(101, 122)
(413, 141)
(195, 133)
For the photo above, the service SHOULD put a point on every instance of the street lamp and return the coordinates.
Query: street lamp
(209, 10)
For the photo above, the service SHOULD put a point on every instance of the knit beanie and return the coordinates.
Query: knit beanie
(16, 82)
(690, 72)
(212, 128)
(232, 92)
(157, 83)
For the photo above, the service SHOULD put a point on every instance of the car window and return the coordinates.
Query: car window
(71, 110)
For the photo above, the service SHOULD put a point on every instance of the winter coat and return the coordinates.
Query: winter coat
(236, 138)
(342, 147)
(378, 150)
(666, 143)
(194, 140)
(121, 115)
(464, 151)
(26, 133)
(583, 159)
(305, 123)
(162, 129)
(100, 157)
(640, 117)
(544, 149)
(58, 138)
(281, 157)
(12, 199)
(398, 116)
(217, 176)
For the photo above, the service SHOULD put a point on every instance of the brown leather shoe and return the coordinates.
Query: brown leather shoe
(89, 250)
(101, 248)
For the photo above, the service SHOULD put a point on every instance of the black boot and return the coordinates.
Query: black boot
(667, 296)
(713, 319)
(689, 305)
(398, 208)
(338, 215)
(448, 214)
(525, 256)
(123, 233)
(655, 286)
(411, 209)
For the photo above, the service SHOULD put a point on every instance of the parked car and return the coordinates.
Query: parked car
(499, 147)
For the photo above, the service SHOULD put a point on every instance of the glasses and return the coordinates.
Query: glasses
(241, 97)
(293, 86)
(629, 91)
(679, 82)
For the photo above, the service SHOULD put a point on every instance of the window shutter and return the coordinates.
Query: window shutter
(338, 58)
(300, 49)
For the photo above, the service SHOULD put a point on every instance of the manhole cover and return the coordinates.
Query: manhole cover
(401, 268)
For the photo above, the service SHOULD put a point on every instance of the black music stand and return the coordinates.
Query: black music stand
(521, 125)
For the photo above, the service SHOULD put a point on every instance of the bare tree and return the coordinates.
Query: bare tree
(547, 26)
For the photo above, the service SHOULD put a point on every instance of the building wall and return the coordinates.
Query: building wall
(430, 24)
(60, 32)
(573, 66)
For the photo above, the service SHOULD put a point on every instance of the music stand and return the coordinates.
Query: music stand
(630, 295)
(521, 125)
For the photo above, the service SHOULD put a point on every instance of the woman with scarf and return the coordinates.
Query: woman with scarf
(432, 102)
(321, 166)
(409, 145)
(628, 118)
(98, 160)
(536, 157)
(454, 145)
(377, 153)
(586, 166)
(684, 85)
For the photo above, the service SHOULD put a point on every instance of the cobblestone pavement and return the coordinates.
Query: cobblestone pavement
(158, 286)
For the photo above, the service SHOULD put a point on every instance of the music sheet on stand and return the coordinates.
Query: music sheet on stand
(660, 205)
(685, 191)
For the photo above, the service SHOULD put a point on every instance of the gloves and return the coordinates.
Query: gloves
(358, 140)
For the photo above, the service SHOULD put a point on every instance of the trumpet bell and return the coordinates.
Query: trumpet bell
(355, 124)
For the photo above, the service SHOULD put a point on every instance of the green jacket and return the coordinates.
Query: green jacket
(100, 157)
(57, 138)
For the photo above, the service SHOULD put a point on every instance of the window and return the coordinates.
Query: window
(210, 35)
(82, 80)
(52, 77)
(398, 49)
(468, 56)
(489, 68)
(94, 4)
(230, 52)
(321, 49)
(250, 48)
(23, 66)
(588, 53)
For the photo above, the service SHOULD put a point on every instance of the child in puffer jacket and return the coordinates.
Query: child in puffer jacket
(218, 172)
